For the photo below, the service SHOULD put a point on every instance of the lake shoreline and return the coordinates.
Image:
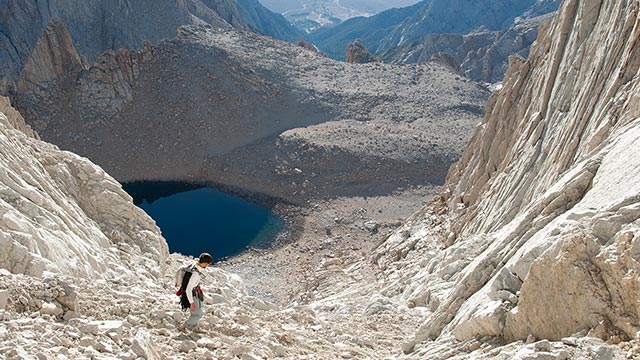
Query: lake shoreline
(197, 217)
(313, 234)
(324, 231)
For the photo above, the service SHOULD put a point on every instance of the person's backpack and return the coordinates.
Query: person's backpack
(183, 276)
(180, 278)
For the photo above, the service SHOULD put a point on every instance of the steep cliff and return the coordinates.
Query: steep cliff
(53, 57)
(63, 214)
(55, 64)
(536, 232)
(96, 26)
(13, 119)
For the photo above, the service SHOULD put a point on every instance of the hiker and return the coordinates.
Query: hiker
(190, 291)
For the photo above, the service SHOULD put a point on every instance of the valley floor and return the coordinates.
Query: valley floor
(325, 233)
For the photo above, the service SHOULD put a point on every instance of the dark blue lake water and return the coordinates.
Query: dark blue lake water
(196, 220)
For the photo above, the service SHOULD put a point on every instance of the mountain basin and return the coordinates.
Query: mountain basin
(196, 219)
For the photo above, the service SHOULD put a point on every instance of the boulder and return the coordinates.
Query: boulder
(188, 346)
(208, 343)
(143, 346)
(372, 226)
(4, 298)
(111, 326)
(51, 309)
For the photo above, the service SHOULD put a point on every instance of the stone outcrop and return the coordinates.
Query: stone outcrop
(357, 53)
(53, 57)
(8, 87)
(13, 119)
(118, 71)
(63, 214)
(446, 60)
(536, 232)
(104, 86)
(55, 63)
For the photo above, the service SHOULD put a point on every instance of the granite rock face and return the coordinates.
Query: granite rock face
(536, 231)
(489, 63)
(63, 214)
(96, 26)
(53, 57)
(55, 64)
(14, 119)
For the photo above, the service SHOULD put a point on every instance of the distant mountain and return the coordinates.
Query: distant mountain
(262, 20)
(308, 15)
(334, 41)
(399, 27)
(481, 55)
(96, 26)
(369, 7)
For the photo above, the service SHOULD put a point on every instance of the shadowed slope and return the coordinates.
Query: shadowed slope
(221, 100)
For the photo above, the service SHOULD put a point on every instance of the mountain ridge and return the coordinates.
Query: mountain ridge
(399, 35)
(481, 55)
(98, 26)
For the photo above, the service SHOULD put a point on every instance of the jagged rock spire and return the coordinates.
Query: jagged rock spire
(357, 53)
(53, 56)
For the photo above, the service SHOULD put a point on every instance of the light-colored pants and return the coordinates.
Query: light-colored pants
(195, 316)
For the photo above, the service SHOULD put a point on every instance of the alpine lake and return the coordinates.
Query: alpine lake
(196, 219)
